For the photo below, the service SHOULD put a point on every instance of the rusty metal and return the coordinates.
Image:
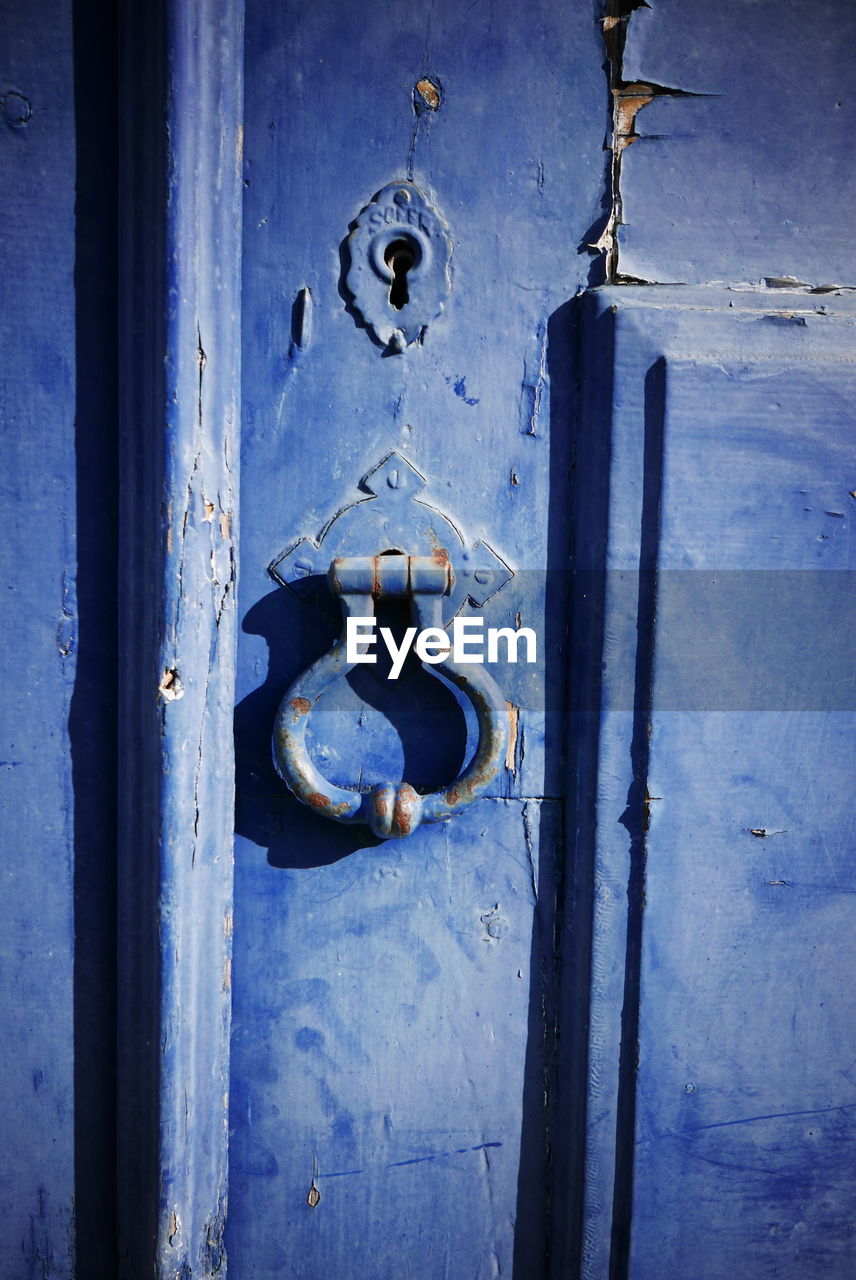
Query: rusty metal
(390, 809)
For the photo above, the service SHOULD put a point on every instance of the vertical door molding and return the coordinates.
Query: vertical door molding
(180, 254)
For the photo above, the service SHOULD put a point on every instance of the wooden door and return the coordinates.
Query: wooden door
(599, 1023)
(394, 1019)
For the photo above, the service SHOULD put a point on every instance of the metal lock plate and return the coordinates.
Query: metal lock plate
(399, 264)
(394, 515)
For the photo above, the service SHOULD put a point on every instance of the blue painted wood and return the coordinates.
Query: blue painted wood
(394, 1008)
(38, 563)
(179, 505)
(747, 180)
(729, 823)
(638, 937)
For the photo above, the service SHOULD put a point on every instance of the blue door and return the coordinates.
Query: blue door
(428, 334)
(394, 1037)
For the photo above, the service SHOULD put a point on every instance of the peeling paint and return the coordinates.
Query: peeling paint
(170, 687)
(495, 925)
(429, 93)
(628, 99)
(177, 825)
(532, 385)
(529, 843)
(513, 729)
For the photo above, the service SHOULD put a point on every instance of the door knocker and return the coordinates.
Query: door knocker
(390, 809)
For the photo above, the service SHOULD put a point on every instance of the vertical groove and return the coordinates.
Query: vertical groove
(92, 715)
(141, 233)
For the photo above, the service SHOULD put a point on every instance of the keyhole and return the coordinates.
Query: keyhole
(400, 258)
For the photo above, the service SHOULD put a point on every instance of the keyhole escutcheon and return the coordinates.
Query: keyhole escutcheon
(398, 273)
(400, 257)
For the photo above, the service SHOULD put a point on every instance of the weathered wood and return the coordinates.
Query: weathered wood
(179, 502)
(37, 562)
(743, 175)
(722, 807)
(600, 1024)
(505, 137)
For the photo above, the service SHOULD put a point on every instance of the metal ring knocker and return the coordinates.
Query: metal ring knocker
(390, 809)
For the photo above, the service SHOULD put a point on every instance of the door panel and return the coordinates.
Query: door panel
(391, 1069)
(394, 1004)
(734, 1095)
(707, 196)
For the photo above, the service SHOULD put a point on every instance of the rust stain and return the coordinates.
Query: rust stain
(429, 93)
(629, 101)
(440, 556)
(301, 705)
(380, 806)
(406, 800)
(318, 801)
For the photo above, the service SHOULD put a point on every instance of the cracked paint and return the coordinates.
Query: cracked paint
(628, 99)
(513, 734)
